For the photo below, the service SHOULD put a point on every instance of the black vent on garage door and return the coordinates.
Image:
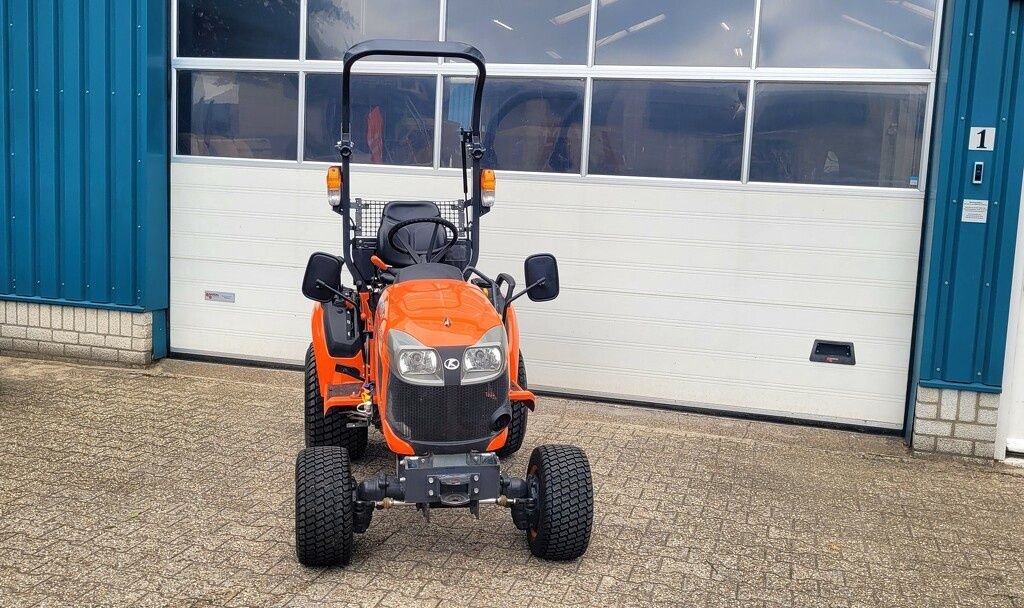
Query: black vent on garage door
(840, 353)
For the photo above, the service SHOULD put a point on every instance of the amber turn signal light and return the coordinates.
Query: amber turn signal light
(487, 186)
(334, 186)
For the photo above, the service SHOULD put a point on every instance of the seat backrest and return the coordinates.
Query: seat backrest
(416, 237)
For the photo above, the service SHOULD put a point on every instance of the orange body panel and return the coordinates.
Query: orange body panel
(420, 309)
(499, 440)
(437, 312)
(517, 393)
(327, 366)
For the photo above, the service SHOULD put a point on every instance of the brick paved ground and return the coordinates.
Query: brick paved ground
(173, 486)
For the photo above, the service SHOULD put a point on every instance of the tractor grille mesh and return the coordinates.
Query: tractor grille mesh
(366, 214)
(444, 413)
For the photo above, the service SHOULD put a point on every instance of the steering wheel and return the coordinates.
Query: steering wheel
(435, 253)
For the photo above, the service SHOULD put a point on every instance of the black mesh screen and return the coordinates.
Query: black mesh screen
(444, 413)
(366, 216)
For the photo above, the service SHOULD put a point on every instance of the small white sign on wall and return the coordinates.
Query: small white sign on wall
(975, 212)
(982, 138)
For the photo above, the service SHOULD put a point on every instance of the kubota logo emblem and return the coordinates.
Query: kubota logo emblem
(451, 364)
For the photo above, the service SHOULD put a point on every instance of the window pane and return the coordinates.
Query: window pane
(846, 134)
(528, 31)
(238, 114)
(335, 25)
(847, 33)
(675, 32)
(528, 124)
(234, 28)
(392, 119)
(668, 129)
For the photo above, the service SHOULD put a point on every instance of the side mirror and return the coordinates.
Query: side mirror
(323, 277)
(541, 272)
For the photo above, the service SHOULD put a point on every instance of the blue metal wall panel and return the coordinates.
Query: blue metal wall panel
(968, 266)
(83, 182)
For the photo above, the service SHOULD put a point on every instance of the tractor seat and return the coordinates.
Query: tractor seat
(416, 237)
(427, 271)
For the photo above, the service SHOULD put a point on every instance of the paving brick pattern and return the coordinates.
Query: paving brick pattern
(173, 487)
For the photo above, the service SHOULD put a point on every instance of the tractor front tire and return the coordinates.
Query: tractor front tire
(324, 497)
(520, 413)
(563, 515)
(329, 429)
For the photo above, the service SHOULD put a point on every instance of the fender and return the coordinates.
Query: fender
(516, 393)
(327, 367)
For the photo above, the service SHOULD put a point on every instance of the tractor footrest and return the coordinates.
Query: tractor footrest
(516, 393)
(348, 394)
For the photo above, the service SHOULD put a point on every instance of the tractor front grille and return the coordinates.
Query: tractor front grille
(439, 414)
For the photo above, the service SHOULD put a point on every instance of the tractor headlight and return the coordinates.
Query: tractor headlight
(485, 360)
(412, 361)
(417, 362)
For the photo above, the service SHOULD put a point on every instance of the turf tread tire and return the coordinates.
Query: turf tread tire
(520, 414)
(565, 505)
(324, 497)
(331, 429)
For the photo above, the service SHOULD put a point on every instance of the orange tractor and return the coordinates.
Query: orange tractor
(425, 348)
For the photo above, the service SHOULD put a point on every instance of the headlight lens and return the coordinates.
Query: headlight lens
(414, 362)
(417, 362)
(485, 360)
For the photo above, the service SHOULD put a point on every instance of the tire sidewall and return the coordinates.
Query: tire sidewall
(538, 534)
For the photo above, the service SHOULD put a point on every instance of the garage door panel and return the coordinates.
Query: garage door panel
(710, 295)
(876, 409)
(575, 304)
(729, 361)
(625, 233)
(724, 257)
(682, 283)
(738, 342)
(262, 285)
(236, 342)
(659, 199)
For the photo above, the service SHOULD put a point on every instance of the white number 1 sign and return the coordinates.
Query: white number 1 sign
(982, 138)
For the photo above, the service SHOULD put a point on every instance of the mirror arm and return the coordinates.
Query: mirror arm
(526, 290)
(320, 283)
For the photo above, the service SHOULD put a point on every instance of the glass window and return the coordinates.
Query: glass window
(392, 119)
(845, 134)
(846, 33)
(528, 124)
(526, 31)
(668, 129)
(675, 32)
(236, 28)
(335, 25)
(238, 114)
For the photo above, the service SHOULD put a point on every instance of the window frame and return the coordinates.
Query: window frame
(751, 75)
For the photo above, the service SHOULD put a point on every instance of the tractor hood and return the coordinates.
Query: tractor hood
(438, 313)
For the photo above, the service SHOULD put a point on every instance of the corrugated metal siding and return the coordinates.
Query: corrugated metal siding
(969, 266)
(83, 182)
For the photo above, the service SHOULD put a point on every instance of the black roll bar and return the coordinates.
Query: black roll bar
(470, 138)
(411, 48)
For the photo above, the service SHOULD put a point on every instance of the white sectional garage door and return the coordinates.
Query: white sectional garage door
(709, 296)
(723, 182)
